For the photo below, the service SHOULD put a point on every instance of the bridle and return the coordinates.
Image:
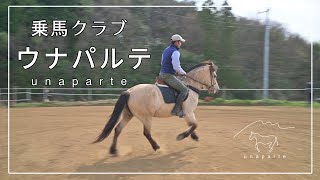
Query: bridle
(211, 69)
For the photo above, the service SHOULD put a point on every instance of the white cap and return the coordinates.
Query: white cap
(177, 37)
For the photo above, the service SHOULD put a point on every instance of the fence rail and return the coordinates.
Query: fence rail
(47, 93)
(18, 94)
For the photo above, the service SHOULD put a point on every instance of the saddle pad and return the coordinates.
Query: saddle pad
(168, 94)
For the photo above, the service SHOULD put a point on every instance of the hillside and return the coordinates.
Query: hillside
(235, 44)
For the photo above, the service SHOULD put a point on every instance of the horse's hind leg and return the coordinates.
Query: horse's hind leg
(126, 117)
(147, 134)
(192, 122)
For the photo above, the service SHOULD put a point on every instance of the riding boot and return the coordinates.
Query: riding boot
(177, 109)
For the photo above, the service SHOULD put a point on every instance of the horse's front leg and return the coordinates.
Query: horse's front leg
(273, 144)
(192, 122)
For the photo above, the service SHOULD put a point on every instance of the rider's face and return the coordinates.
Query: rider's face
(178, 44)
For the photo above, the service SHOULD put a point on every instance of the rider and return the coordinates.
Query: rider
(170, 65)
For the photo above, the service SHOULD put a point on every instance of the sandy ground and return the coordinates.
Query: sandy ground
(57, 139)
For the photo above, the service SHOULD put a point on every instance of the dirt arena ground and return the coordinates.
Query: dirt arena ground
(57, 139)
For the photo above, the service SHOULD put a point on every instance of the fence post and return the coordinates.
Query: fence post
(45, 95)
(1, 97)
(90, 94)
(308, 92)
(14, 96)
(28, 95)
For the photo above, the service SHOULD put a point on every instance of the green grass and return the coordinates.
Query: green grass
(215, 102)
(262, 102)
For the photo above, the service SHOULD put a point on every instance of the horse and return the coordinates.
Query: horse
(270, 140)
(145, 101)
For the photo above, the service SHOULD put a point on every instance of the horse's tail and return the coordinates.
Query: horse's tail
(121, 103)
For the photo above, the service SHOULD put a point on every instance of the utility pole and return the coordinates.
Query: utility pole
(265, 94)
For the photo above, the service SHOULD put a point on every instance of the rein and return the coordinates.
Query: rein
(209, 86)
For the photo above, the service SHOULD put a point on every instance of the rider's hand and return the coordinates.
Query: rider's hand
(183, 75)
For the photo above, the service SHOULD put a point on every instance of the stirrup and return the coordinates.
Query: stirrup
(181, 114)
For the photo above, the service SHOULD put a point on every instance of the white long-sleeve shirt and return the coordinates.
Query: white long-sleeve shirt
(176, 62)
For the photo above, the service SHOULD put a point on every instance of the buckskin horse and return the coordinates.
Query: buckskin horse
(145, 101)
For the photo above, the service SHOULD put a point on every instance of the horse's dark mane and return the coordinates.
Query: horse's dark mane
(204, 63)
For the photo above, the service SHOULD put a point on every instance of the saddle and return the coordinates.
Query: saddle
(160, 81)
(168, 93)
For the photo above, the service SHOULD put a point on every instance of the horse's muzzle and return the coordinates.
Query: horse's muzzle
(216, 88)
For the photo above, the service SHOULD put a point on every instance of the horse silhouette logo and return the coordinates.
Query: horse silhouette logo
(266, 140)
(270, 140)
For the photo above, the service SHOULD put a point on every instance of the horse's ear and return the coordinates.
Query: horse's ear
(211, 67)
(214, 67)
(207, 62)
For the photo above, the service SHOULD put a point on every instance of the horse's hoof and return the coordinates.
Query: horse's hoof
(194, 137)
(113, 151)
(180, 137)
(155, 148)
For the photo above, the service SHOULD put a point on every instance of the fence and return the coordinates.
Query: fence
(57, 94)
(91, 94)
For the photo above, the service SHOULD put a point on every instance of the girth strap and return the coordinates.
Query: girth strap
(194, 89)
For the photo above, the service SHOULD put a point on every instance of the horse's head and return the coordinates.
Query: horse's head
(251, 135)
(214, 86)
(205, 76)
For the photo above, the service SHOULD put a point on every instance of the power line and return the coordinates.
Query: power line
(208, 21)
